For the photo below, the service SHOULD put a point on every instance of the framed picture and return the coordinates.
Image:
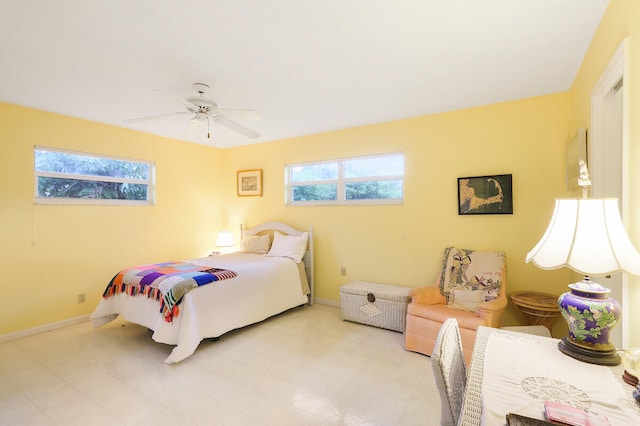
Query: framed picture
(485, 195)
(249, 183)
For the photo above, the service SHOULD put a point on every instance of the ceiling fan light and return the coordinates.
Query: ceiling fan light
(201, 108)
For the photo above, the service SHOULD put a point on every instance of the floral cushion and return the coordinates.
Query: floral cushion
(471, 270)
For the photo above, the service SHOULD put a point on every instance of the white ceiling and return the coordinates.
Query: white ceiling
(308, 66)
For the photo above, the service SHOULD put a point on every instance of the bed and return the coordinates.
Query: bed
(268, 281)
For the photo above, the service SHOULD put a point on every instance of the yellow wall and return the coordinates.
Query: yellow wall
(51, 253)
(621, 20)
(399, 244)
(403, 244)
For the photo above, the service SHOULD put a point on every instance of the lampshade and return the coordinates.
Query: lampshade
(586, 235)
(225, 239)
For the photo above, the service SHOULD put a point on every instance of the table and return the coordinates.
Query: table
(496, 384)
(537, 308)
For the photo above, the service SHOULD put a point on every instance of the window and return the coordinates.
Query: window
(375, 179)
(66, 177)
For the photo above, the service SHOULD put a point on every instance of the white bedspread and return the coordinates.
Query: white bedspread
(522, 371)
(265, 286)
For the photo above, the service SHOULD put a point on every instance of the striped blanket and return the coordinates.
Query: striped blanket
(164, 282)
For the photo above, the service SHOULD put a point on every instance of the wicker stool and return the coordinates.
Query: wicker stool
(537, 308)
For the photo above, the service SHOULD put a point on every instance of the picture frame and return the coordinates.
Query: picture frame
(249, 183)
(491, 194)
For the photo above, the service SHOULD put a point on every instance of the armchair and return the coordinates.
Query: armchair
(471, 288)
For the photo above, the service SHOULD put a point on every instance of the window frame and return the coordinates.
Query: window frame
(150, 182)
(342, 181)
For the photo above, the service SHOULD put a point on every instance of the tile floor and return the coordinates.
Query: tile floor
(303, 367)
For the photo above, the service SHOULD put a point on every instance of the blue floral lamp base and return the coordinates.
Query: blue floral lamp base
(590, 314)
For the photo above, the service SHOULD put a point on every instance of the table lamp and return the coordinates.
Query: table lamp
(587, 235)
(224, 239)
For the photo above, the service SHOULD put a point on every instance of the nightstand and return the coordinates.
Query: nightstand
(537, 308)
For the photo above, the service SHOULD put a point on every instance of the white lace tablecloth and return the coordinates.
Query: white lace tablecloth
(515, 373)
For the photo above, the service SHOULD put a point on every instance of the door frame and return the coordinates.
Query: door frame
(607, 82)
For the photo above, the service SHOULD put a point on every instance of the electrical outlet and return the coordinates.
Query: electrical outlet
(343, 271)
(82, 297)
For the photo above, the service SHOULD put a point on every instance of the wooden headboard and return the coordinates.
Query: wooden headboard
(269, 228)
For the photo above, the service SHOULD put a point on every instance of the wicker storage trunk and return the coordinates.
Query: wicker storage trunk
(379, 305)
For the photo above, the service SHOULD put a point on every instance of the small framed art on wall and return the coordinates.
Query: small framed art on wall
(249, 183)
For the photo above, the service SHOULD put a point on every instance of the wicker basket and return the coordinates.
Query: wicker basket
(379, 305)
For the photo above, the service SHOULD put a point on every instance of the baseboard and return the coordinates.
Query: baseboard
(76, 320)
(43, 328)
(329, 302)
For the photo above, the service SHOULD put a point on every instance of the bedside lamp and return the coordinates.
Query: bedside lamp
(223, 240)
(587, 235)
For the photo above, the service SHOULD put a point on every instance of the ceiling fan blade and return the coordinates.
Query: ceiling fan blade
(193, 125)
(154, 117)
(178, 99)
(241, 113)
(236, 127)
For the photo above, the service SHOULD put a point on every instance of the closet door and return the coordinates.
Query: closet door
(607, 143)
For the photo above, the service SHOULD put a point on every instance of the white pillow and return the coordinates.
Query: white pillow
(467, 300)
(292, 246)
(259, 244)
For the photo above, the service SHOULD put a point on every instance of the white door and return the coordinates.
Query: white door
(606, 161)
(608, 182)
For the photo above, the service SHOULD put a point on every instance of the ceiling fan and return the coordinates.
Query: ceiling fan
(202, 109)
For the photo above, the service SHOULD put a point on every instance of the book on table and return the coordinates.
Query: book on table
(514, 419)
(566, 414)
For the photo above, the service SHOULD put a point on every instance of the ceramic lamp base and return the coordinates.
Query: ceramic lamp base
(590, 315)
(588, 355)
